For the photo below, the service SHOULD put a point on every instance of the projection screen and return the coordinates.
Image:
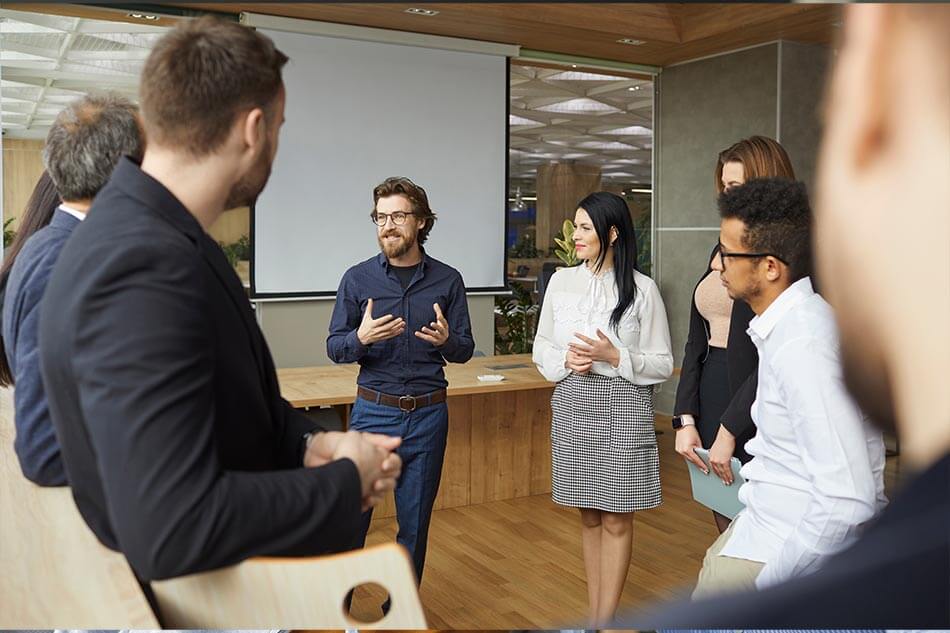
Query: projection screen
(357, 112)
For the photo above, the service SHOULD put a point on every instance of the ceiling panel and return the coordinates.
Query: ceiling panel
(49, 60)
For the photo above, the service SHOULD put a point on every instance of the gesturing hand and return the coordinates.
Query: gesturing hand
(385, 327)
(437, 332)
(600, 350)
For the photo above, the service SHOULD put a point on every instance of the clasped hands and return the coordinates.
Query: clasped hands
(720, 453)
(581, 356)
(373, 454)
(388, 326)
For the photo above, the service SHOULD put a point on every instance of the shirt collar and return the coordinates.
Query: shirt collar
(762, 325)
(79, 215)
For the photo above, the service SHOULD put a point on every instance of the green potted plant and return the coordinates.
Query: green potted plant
(8, 233)
(516, 322)
(565, 250)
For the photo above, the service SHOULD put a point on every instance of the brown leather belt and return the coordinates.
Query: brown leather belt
(404, 403)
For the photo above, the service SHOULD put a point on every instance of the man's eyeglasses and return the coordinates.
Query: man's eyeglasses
(723, 254)
(398, 217)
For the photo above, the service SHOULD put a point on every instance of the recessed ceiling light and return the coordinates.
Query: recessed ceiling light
(426, 12)
(631, 42)
(143, 16)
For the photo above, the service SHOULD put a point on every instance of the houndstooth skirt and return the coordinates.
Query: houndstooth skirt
(603, 445)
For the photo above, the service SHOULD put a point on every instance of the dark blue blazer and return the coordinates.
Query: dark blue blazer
(36, 445)
(179, 449)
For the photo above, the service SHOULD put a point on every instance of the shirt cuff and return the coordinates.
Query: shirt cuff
(765, 578)
(354, 347)
(450, 347)
(554, 360)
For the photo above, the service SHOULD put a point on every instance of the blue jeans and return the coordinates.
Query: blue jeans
(422, 450)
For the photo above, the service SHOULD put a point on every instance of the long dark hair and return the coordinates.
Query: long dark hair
(38, 213)
(606, 211)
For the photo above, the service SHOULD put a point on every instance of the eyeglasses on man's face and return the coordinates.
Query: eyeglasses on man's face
(398, 217)
(724, 254)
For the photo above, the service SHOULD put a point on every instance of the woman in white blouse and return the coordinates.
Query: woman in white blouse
(604, 338)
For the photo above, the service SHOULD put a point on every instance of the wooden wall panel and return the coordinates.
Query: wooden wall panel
(22, 167)
(539, 409)
(232, 225)
(455, 489)
(560, 186)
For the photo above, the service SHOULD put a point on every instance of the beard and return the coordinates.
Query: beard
(393, 250)
(245, 192)
(752, 290)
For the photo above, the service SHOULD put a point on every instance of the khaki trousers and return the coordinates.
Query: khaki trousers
(724, 574)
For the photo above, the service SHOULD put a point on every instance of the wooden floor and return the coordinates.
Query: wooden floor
(517, 564)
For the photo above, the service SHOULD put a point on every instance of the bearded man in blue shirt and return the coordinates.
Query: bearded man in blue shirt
(402, 315)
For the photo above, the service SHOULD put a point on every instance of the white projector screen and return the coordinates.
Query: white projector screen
(358, 112)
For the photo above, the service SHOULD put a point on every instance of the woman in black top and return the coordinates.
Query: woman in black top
(717, 385)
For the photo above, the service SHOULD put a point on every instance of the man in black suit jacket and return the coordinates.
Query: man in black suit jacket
(885, 158)
(180, 450)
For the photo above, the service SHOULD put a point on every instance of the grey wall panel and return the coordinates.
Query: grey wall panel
(706, 106)
(804, 67)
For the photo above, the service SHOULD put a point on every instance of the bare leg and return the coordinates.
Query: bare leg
(590, 539)
(614, 562)
(722, 522)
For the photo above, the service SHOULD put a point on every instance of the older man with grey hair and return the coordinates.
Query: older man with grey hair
(83, 147)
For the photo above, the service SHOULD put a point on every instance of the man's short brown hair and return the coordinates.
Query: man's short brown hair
(399, 186)
(201, 76)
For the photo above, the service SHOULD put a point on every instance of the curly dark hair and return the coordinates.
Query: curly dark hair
(777, 220)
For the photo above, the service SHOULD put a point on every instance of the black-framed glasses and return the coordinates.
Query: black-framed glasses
(399, 217)
(723, 254)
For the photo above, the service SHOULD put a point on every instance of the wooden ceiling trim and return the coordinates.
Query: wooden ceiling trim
(673, 32)
(651, 22)
(466, 21)
(701, 21)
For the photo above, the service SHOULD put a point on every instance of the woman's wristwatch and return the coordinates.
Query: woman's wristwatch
(680, 421)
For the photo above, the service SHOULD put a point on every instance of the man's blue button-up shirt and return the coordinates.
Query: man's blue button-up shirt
(404, 365)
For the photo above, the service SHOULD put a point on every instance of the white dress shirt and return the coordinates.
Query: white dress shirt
(817, 471)
(579, 301)
(79, 215)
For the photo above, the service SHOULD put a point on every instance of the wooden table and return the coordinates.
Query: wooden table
(499, 442)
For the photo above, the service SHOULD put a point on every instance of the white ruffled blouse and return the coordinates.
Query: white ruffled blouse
(579, 301)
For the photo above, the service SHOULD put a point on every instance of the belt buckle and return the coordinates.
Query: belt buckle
(411, 399)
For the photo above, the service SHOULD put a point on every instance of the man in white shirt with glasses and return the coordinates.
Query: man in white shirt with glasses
(817, 468)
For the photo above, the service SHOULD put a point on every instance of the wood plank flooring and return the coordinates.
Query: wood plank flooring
(517, 564)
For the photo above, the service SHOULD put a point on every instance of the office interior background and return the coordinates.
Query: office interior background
(636, 99)
(630, 98)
